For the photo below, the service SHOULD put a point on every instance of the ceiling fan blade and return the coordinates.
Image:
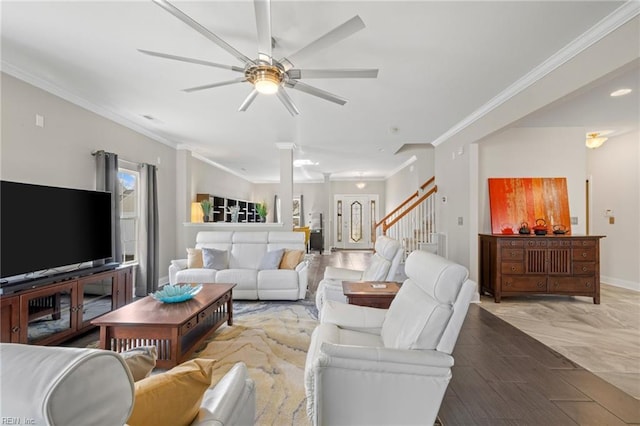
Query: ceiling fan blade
(333, 73)
(191, 60)
(248, 100)
(287, 102)
(212, 85)
(294, 84)
(341, 32)
(263, 23)
(202, 30)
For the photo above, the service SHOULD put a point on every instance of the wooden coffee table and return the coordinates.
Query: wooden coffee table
(376, 294)
(176, 329)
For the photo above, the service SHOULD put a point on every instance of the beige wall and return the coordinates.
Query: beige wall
(59, 153)
(407, 180)
(208, 179)
(614, 171)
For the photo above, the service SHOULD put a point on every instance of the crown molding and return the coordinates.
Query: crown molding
(58, 91)
(604, 27)
(214, 164)
(286, 145)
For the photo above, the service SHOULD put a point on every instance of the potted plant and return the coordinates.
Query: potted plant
(261, 209)
(206, 209)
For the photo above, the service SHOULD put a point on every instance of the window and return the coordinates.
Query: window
(129, 194)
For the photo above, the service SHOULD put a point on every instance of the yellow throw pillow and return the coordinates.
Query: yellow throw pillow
(172, 398)
(194, 258)
(291, 258)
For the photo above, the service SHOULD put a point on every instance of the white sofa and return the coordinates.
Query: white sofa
(48, 385)
(383, 267)
(368, 366)
(245, 252)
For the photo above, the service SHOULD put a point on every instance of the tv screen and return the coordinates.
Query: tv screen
(44, 227)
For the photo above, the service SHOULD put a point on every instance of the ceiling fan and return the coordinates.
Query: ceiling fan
(266, 74)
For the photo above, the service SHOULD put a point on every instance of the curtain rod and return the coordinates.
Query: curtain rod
(94, 153)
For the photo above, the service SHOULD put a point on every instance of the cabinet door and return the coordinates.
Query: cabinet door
(124, 287)
(515, 283)
(97, 297)
(10, 320)
(49, 315)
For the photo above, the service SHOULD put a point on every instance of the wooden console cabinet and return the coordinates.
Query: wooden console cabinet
(551, 264)
(51, 313)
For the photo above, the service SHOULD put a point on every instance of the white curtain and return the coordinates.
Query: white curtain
(148, 252)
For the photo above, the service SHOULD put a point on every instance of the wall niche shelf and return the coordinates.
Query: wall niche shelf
(220, 207)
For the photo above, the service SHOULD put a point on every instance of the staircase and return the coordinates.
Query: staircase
(413, 222)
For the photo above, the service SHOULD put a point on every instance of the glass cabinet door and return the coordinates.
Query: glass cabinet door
(50, 314)
(96, 297)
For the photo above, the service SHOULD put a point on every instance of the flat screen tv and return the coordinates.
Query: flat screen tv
(43, 228)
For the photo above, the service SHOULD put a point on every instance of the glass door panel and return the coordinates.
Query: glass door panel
(50, 314)
(97, 298)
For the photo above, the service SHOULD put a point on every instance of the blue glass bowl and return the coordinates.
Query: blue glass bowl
(176, 293)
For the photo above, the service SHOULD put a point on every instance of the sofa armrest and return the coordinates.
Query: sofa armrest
(303, 278)
(361, 318)
(344, 274)
(176, 266)
(231, 401)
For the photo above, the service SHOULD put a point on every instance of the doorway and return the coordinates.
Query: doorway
(354, 219)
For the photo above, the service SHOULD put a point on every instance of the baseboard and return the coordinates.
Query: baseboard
(616, 282)
(163, 280)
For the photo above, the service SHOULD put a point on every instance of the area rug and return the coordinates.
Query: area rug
(272, 338)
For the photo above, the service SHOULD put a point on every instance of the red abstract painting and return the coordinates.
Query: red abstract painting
(516, 200)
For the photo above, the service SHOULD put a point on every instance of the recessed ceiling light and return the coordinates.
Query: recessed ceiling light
(620, 92)
(304, 162)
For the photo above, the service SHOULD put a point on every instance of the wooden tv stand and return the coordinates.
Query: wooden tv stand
(529, 264)
(48, 313)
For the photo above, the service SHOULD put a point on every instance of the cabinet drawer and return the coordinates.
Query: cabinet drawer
(572, 285)
(511, 268)
(511, 254)
(193, 321)
(584, 268)
(511, 243)
(583, 243)
(586, 254)
(534, 284)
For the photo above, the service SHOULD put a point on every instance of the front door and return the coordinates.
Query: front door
(354, 216)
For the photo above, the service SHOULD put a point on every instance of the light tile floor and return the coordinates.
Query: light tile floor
(604, 339)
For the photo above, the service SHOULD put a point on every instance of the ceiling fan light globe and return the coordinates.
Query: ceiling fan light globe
(266, 86)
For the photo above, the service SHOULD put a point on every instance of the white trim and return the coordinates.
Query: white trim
(410, 161)
(286, 145)
(608, 24)
(49, 87)
(616, 282)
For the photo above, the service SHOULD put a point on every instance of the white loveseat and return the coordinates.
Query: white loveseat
(368, 366)
(245, 251)
(46, 385)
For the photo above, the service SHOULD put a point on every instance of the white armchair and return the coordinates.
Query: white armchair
(368, 366)
(383, 267)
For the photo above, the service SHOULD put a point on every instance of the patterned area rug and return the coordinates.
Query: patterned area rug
(272, 338)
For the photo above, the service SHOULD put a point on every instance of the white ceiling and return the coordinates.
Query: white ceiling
(439, 62)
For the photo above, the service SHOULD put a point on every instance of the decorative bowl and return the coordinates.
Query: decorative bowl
(176, 293)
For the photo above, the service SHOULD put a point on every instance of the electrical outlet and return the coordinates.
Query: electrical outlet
(574, 220)
(39, 120)
(612, 220)
(460, 221)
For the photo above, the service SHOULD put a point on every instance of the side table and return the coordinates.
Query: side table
(376, 294)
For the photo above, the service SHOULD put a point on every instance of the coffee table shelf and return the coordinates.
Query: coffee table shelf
(176, 329)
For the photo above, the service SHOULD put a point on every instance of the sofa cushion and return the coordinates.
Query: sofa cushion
(246, 255)
(245, 279)
(291, 258)
(377, 270)
(278, 279)
(215, 259)
(196, 276)
(271, 259)
(173, 397)
(141, 361)
(194, 258)
(420, 312)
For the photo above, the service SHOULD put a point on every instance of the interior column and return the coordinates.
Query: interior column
(286, 184)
